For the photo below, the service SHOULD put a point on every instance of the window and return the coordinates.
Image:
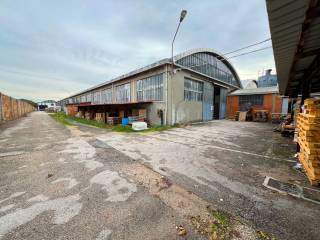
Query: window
(123, 93)
(209, 65)
(96, 97)
(150, 88)
(106, 96)
(193, 90)
(247, 101)
(83, 98)
(89, 97)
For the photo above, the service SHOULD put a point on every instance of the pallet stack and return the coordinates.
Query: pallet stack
(308, 123)
(100, 117)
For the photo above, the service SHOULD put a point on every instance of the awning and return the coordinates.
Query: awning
(295, 33)
(89, 104)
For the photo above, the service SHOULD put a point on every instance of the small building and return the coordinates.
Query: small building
(262, 98)
(260, 95)
(48, 105)
(192, 88)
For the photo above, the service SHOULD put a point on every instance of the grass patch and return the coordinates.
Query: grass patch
(264, 236)
(122, 128)
(219, 226)
(88, 122)
(126, 128)
(69, 120)
(60, 118)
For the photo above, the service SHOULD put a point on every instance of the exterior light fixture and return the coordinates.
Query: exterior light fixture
(182, 16)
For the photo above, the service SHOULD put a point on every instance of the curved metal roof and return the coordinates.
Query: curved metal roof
(166, 61)
(212, 52)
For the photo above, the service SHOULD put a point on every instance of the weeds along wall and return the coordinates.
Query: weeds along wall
(11, 108)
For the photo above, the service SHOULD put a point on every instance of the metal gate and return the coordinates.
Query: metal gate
(223, 103)
(207, 105)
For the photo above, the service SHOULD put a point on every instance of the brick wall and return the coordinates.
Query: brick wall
(11, 108)
(232, 106)
(268, 101)
(72, 109)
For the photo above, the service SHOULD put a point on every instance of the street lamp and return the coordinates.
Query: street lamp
(182, 16)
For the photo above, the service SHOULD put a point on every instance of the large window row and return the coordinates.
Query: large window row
(96, 97)
(150, 88)
(209, 65)
(193, 90)
(147, 89)
(123, 93)
(106, 96)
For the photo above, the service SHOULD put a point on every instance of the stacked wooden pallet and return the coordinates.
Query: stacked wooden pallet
(308, 124)
(100, 117)
(113, 120)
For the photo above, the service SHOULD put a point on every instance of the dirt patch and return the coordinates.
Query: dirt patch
(210, 222)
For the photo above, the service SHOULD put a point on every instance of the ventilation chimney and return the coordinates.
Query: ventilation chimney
(268, 72)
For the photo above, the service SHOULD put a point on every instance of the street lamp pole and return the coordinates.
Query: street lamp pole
(182, 16)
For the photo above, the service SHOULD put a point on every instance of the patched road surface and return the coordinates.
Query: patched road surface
(80, 182)
(225, 163)
(55, 184)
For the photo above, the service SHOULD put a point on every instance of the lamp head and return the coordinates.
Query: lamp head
(183, 15)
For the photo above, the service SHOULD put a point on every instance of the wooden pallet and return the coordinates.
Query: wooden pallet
(308, 133)
(312, 173)
(311, 151)
(308, 118)
(311, 101)
(308, 138)
(308, 124)
(312, 160)
(305, 126)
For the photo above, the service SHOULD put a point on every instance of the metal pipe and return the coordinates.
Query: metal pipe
(182, 16)
(174, 38)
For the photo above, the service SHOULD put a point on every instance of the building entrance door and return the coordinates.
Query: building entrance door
(207, 103)
(223, 103)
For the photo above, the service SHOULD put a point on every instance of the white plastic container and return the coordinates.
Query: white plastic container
(139, 126)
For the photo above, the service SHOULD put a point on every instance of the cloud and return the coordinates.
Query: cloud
(50, 49)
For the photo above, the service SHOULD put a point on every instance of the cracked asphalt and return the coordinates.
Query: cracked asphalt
(61, 184)
(83, 182)
(225, 163)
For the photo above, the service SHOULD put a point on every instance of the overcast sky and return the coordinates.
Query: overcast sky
(51, 49)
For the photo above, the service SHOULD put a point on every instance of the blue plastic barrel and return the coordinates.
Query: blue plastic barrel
(125, 121)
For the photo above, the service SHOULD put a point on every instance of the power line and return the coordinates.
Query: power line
(245, 53)
(254, 44)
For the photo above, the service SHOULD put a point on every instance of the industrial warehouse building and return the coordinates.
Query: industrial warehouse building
(195, 89)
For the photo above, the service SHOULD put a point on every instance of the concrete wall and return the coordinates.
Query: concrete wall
(152, 112)
(11, 108)
(179, 110)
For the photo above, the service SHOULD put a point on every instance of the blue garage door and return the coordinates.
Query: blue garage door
(223, 103)
(207, 106)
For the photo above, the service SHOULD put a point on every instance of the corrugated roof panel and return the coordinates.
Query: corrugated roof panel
(253, 91)
(285, 21)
